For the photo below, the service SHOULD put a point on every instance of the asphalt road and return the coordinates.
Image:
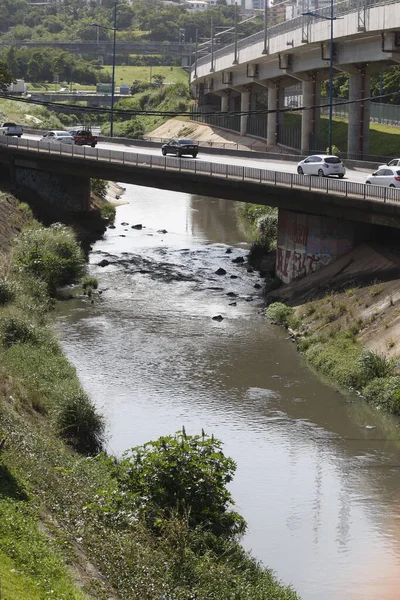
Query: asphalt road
(358, 175)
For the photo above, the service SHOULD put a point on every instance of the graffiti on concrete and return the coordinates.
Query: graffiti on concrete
(307, 243)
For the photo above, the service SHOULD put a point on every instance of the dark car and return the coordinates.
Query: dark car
(180, 146)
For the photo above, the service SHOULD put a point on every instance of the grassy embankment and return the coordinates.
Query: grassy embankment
(67, 528)
(383, 139)
(335, 332)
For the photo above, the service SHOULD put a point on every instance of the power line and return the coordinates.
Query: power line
(160, 113)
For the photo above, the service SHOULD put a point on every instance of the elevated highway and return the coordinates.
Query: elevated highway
(366, 41)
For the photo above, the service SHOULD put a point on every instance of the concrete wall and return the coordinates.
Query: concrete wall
(307, 243)
(69, 194)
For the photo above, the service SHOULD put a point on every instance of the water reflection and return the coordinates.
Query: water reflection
(319, 490)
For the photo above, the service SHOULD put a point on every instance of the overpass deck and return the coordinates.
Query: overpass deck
(346, 199)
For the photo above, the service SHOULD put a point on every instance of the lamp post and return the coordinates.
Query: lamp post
(114, 30)
(331, 18)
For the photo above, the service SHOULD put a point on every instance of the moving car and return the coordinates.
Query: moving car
(11, 129)
(84, 137)
(323, 165)
(180, 146)
(386, 176)
(395, 162)
(63, 137)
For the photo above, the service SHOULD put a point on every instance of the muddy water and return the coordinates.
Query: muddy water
(318, 476)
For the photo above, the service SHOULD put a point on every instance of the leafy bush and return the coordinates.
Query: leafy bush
(79, 423)
(7, 291)
(15, 329)
(337, 357)
(90, 282)
(384, 392)
(185, 476)
(52, 254)
(373, 365)
(279, 313)
(98, 187)
(108, 212)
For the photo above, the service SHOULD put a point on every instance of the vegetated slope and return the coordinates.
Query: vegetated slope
(72, 526)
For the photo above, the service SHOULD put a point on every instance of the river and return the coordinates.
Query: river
(318, 477)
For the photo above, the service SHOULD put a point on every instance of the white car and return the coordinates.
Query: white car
(392, 163)
(323, 165)
(387, 176)
(63, 137)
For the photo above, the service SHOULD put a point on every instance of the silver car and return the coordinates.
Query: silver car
(386, 176)
(395, 162)
(322, 165)
(60, 137)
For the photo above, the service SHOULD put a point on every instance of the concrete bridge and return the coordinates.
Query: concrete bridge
(319, 218)
(91, 100)
(366, 41)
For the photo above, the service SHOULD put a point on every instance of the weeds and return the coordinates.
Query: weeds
(279, 313)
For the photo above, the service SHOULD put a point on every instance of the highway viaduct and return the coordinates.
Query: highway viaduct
(366, 41)
(320, 219)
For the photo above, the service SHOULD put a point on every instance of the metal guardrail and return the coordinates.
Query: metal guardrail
(341, 9)
(222, 171)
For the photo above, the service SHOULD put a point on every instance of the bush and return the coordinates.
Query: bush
(15, 329)
(80, 424)
(374, 365)
(7, 291)
(98, 187)
(90, 282)
(279, 313)
(384, 392)
(52, 254)
(338, 358)
(184, 476)
(108, 212)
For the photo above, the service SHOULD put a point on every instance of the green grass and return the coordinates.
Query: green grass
(383, 139)
(126, 75)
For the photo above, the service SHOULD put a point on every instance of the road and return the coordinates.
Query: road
(358, 176)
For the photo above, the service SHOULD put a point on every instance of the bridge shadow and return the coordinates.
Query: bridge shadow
(9, 486)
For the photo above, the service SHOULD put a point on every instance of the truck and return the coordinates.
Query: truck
(84, 137)
(11, 129)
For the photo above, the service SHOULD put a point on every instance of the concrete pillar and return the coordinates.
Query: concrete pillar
(281, 103)
(307, 116)
(359, 112)
(310, 118)
(244, 106)
(272, 116)
(224, 103)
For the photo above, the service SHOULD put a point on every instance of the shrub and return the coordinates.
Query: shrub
(184, 476)
(7, 291)
(90, 282)
(98, 187)
(51, 254)
(79, 423)
(108, 212)
(374, 365)
(279, 313)
(385, 392)
(337, 358)
(15, 329)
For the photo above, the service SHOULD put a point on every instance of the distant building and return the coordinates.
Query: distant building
(196, 5)
(257, 4)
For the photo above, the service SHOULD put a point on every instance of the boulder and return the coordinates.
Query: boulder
(220, 271)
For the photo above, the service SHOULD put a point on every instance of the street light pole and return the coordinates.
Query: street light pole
(331, 18)
(330, 82)
(114, 30)
(113, 71)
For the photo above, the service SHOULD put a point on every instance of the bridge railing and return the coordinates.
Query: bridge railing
(337, 187)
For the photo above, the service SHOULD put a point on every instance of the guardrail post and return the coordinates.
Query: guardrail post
(137, 159)
(384, 194)
(84, 151)
(242, 173)
(260, 175)
(165, 163)
(226, 171)
(151, 160)
(291, 180)
(345, 187)
(274, 177)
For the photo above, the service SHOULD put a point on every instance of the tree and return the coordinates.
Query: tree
(5, 77)
(185, 476)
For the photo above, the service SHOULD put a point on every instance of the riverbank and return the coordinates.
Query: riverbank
(67, 528)
(345, 318)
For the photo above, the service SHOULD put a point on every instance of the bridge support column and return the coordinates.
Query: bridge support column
(359, 112)
(310, 118)
(272, 119)
(307, 243)
(244, 107)
(66, 193)
(224, 102)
